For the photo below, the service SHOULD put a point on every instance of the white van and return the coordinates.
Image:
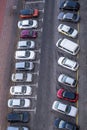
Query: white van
(68, 46)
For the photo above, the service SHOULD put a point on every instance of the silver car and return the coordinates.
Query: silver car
(67, 80)
(11, 127)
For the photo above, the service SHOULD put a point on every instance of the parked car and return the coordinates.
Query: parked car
(21, 77)
(17, 127)
(28, 34)
(26, 44)
(69, 17)
(24, 55)
(67, 30)
(68, 46)
(68, 63)
(67, 80)
(27, 24)
(64, 125)
(64, 108)
(24, 65)
(29, 13)
(20, 90)
(69, 5)
(18, 117)
(19, 103)
(67, 95)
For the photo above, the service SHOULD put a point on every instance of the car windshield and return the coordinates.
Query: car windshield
(68, 109)
(30, 22)
(29, 43)
(62, 124)
(27, 64)
(31, 33)
(23, 89)
(22, 102)
(69, 95)
(70, 30)
(27, 53)
(74, 16)
(21, 116)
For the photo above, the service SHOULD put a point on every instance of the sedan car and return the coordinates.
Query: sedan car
(21, 77)
(64, 108)
(29, 13)
(26, 44)
(67, 95)
(69, 5)
(67, 80)
(18, 117)
(28, 34)
(25, 24)
(17, 127)
(24, 55)
(68, 63)
(21, 90)
(67, 30)
(69, 17)
(64, 125)
(24, 65)
(19, 103)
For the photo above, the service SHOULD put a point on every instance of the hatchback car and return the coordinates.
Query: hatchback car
(29, 13)
(25, 24)
(69, 5)
(19, 103)
(68, 63)
(26, 44)
(67, 80)
(69, 17)
(68, 46)
(24, 55)
(28, 34)
(64, 125)
(21, 77)
(67, 30)
(64, 108)
(24, 65)
(21, 90)
(67, 95)
(18, 117)
(17, 127)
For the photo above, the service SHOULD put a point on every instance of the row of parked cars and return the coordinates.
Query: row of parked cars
(24, 57)
(68, 14)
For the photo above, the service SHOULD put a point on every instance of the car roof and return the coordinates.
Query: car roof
(20, 53)
(12, 128)
(27, 11)
(20, 64)
(19, 76)
(62, 107)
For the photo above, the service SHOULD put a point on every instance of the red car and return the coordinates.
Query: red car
(28, 34)
(29, 13)
(67, 95)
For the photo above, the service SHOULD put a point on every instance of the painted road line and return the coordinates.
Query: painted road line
(29, 110)
(34, 2)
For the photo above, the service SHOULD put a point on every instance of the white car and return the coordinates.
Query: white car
(18, 127)
(67, 30)
(68, 63)
(21, 77)
(64, 108)
(24, 55)
(19, 103)
(26, 44)
(25, 24)
(21, 90)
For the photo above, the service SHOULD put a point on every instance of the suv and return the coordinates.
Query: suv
(18, 117)
(68, 46)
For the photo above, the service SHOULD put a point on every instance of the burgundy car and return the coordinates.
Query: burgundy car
(28, 34)
(67, 95)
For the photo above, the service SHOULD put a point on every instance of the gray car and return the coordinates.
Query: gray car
(70, 17)
(24, 65)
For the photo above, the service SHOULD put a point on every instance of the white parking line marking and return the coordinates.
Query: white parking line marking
(39, 50)
(34, 85)
(32, 2)
(38, 30)
(41, 19)
(37, 61)
(29, 110)
(42, 10)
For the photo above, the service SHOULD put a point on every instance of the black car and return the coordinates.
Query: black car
(69, 17)
(61, 124)
(70, 5)
(18, 117)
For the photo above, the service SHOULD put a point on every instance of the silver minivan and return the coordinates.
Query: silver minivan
(68, 46)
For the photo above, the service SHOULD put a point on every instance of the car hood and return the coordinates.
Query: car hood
(73, 111)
